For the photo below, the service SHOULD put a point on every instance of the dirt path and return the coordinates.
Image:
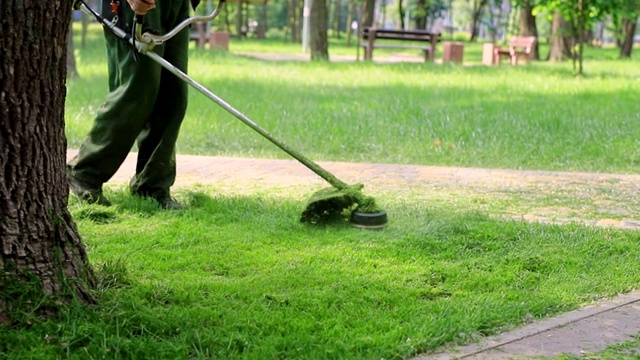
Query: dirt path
(558, 197)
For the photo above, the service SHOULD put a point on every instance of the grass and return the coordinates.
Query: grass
(626, 350)
(533, 117)
(236, 276)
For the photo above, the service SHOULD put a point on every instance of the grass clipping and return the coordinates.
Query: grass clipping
(329, 203)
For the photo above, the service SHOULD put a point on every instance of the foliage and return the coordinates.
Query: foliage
(624, 9)
(582, 16)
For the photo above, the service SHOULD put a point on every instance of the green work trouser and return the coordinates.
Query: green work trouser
(146, 103)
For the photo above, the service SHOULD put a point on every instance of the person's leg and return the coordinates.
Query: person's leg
(133, 87)
(156, 167)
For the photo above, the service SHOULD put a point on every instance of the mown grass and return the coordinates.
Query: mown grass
(237, 276)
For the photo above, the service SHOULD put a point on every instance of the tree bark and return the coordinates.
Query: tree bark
(318, 20)
(368, 13)
(528, 26)
(478, 6)
(401, 13)
(561, 43)
(628, 30)
(38, 236)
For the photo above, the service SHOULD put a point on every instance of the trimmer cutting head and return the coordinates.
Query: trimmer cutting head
(376, 220)
(330, 203)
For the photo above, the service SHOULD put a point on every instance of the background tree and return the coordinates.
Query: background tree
(368, 11)
(420, 14)
(294, 15)
(560, 41)
(581, 16)
(625, 18)
(337, 15)
(318, 20)
(425, 12)
(627, 32)
(476, 13)
(527, 24)
(401, 12)
(39, 239)
(239, 18)
(351, 11)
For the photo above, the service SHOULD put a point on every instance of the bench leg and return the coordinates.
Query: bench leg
(427, 58)
(368, 53)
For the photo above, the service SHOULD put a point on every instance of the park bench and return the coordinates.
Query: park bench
(198, 34)
(411, 39)
(520, 47)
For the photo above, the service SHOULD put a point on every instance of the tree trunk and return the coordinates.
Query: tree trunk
(72, 71)
(528, 26)
(337, 13)
(294, 12)
(401, 11)
(350, 12)
(239, 19)
(421, 14)
(318, 20)
(478, 6)
(628, 30)
(580, 31)
(262, 27)
(367, 13)
(561, 42)
(39, 238)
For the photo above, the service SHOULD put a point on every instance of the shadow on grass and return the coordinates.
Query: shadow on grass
(199, 204)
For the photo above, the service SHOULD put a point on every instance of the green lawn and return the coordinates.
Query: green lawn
(236, 276)
(529, 117)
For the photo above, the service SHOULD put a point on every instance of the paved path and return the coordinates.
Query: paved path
(614, 198)
(590, 329)
(586, 330)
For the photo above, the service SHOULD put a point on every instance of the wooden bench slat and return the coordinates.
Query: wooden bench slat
(371, 35)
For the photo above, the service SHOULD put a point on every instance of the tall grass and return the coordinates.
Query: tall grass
(529, 117)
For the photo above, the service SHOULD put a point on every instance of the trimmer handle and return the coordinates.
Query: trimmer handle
(138, 26)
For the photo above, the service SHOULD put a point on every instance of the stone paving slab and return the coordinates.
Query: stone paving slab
(589, 329)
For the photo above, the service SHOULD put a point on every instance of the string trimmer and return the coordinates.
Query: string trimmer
(324, 204)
